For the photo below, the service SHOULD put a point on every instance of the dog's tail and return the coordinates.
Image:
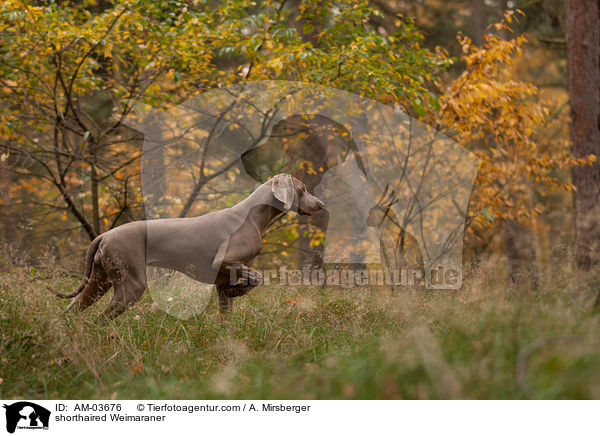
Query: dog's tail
(89, 262)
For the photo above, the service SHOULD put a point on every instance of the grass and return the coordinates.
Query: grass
(481, 342)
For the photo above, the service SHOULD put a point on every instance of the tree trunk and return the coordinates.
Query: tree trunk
(9, 225)
(478, 16)
(502, 8)
(522, 256)
(583, 59)
(94, 189)
(311, 256)
(520, 243)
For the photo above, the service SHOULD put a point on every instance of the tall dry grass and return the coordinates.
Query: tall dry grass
(480, 342)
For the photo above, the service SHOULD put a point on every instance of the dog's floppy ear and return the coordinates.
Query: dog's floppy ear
(283, 190)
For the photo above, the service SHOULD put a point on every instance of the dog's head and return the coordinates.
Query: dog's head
(293, 194)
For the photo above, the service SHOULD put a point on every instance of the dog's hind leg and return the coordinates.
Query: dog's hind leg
(129, 288)
(95, 289)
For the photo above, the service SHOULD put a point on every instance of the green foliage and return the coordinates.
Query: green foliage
(67, 77)
(188, 46)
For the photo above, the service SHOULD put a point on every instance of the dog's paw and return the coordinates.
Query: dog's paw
(236, 291)
(249, 278)
(254, 278)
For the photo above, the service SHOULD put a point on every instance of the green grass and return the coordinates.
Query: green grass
(479, 342)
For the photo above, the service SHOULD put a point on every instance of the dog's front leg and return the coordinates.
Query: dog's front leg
(241, 279)
(231, 260)
(225, 302)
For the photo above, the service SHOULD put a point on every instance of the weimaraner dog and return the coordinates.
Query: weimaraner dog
(205, 248)
(306, 146)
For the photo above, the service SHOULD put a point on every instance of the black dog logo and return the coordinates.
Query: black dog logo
(28, 415)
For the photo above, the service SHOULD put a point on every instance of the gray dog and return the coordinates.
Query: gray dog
(206, 248)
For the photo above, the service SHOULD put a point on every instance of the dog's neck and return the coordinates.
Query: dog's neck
(261, 206)
(262, 216)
